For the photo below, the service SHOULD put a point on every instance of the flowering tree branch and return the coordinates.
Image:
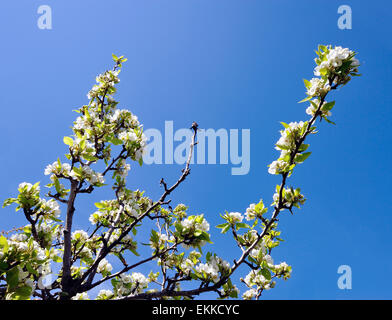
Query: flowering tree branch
(84, 260)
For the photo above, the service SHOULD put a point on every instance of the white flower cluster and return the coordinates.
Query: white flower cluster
(255, 210)
(80, 296)
(85, 253)
(122, 168)
(57, 169)
(291, 197)
(225, 292)
(79, 235)
(192, 226)
(335, 64)
(259, 252)
(24, 277)
(128, 136)
(333, 59)
(99, 126)
(261, 279)
(50, 207)
(290, 135)
(213, 268)
(126, 242)
(28, 187)
(104, 267)
(111, 210)
(311, 110)
(141, 141)
(283, 270)
(256, 278)
(47, 231)
(129, 132)
(29, 194)
(277, 167)
(250, 294)
(161, 241)
(192, 223)
(89, 174)
(104, 81)
(105, 294)
(44, 271)
(235, 217)
(20, 243)
(85, 172)
(250, 212)
(21, 247)
(286, 144)
(129, 285)
(189, 263)
(317, 87)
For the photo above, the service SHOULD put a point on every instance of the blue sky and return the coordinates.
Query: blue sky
(225, 64)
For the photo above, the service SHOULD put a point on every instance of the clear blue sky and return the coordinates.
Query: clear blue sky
(225, 64)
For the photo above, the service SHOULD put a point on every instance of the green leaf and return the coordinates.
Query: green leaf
(4, 244)
(68, 141)
(154, 236)
(90, 158)
(307, 84)
(204, 236)
(322, 48)
(198, 233)
(302, 157)
(57, 259)
(134, 252)
(283, 147)
(284, 124)
(9, 201)
(303, 147)
(329, 121)
(22, 293)
(31, 269)
(3, 266)
(12, 277)
(266, 273)
(57, 185)
(328, 106)
(116, 141)
(306, 99)
(253, 260)
(208, 256)
(314, 104)
(242, 225)
(225, 229)
(99, 205)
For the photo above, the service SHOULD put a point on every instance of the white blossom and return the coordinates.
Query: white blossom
(80, 296)
(104, 294)
(277, 167)
(249, 294)
(104, 266)
(317, 87)
(80, 235)
(236, 217)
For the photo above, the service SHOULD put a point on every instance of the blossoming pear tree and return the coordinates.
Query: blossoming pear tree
(104, 140)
